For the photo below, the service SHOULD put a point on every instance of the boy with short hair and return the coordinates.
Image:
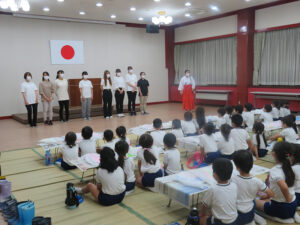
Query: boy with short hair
(239, 135)
(158, 134)
(220, 198)
(220, 120)
(87, 144)
(266, 115)
(248, 187)
(248, 116)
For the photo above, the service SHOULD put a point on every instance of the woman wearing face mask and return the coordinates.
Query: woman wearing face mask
(119, 87)
(106, 86)
(187, 89)
(30, 94)
(131, 81)
(86, 93)
(46, 90)
(143, 86)
(62, 94)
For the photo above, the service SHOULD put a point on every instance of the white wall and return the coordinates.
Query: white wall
(217, 27)
(24, 46)
(280, 15)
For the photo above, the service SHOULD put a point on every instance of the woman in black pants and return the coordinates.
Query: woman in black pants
(119, 87)
(131, 81)
(106, 86)
(30, 94)
(61, 91)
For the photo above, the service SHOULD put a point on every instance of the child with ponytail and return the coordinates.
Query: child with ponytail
(289, 131)
(282, 179)
(225, 142)
(148, 162)
(121, 135)
(296, 167)
(127, 164)
(259, 140)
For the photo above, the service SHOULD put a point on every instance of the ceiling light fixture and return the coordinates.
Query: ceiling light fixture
(157, 0)
(188, 4)
(162, 19)
(113, 16)
(132, 9)
(187, 15)
(15, 5)
(81, 12)
(141, 19)
(46, 9)
(60, 0)
(214, 8)
(99, 4)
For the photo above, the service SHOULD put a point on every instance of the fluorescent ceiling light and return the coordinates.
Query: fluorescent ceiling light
(99, 4)
(187, 15)
(46, 9)
(141, 19)
(81, 12)
(113, 16)
(60, 0)
(188, 4)
(214, 8)
(157, 0)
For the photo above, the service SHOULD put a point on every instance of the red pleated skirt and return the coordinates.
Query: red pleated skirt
(188, 98)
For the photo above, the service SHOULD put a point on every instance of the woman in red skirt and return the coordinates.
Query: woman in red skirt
(187, 88)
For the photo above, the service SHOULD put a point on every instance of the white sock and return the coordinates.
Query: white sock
(297, 217)
(78, 190)
(259, 220)
(298, 208)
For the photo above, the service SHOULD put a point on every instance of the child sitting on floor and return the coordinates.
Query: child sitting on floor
(220, 120)
(247, 187)
(148, 162)
(121, 133)
(200, 119)
(284, 110)
(108, 137)
(172, 163)
(228, 114)
(275, 110)
(110, 178)
(283, 204)
(189, 126)
(87, 145)
(69, 151)
(240, 136)
(176, 128)
(248, 117)
(127, 164)
(288, 132)
(225, 142)
(296, 168)
(158, 134)
(239, 109)
(259, 142)
(266, 115)
(220, 198)
(208, 145)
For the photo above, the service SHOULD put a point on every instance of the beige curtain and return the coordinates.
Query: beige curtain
(211, 62)
(277, 57)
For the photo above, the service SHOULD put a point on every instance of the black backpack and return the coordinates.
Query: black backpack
(71, 200)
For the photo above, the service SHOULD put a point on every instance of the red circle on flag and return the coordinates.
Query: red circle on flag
(67, 52)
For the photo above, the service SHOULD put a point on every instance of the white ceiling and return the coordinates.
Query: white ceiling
(144, 8)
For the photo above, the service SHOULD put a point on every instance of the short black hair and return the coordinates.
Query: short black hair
(84, 73)
(157, 123)
(209, 128)
(296, 153)
(27, 74)
(288, 120)
(229, 109)
(141, 73)
(60, 71)
(187, 71)
(170, 140)
(222, 168)
(121, 132)
(70, 139)
(239, 109)
(176, 124)
(222, 111)
(276, 104)
(243, 160)
(87, 132)
(108, 135)
(237, 119)
(248, 106)
(129, 68)
(118, 71)
(268, 107)
(188, 116)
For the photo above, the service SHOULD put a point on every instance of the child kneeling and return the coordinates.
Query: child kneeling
(110, 178)
(148, 162)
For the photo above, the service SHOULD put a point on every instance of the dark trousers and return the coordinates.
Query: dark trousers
(32, 109)
(63, 104)
(107, 100)
(131, 101)
(119, 101)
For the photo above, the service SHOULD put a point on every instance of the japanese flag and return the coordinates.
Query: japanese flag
(66, 52)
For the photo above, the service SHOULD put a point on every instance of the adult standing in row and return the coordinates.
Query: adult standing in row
(46, 90)
(62, 94)
(86, 93)
(30, 95)
(106, 86)
(143, 86)
(131, 81)
(119, 86)
(187, 88)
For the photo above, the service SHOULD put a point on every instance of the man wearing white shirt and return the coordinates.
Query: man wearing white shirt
(119, 86)
(187, 87)
(131, 81)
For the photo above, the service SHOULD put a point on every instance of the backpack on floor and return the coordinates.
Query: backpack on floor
(71, 200)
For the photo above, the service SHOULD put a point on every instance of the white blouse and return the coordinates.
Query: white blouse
(186, 81)
(107, 86)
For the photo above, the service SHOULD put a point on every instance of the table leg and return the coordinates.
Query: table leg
(94, 176)
(82, 177)
(170, 201)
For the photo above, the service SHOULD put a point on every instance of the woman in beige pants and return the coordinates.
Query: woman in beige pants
(46, 90)
(143, 87)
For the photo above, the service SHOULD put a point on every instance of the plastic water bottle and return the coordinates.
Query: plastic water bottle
(48, 158)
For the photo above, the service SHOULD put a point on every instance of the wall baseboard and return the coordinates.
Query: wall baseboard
(5, 117)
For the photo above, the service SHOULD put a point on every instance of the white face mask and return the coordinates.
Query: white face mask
(28, 78)
(130, 71)
(85, 76)
(62, 75)
(143, 76)
(118, 74)
(187, 74)
(108, 75)
(46, 77)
